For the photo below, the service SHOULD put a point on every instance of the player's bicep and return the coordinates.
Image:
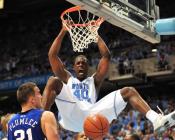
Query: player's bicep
(59, 69)
(49, 126)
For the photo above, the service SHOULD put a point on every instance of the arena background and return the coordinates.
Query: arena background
(27, 29)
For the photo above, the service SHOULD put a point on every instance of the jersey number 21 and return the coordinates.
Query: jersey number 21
(21, 134)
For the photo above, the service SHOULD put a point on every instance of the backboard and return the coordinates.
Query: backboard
(135, 16)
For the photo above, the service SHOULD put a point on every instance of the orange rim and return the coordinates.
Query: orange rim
(72, 9)
(77, 8)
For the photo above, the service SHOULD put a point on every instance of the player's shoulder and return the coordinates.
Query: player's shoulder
(90, 78)
(47, 115)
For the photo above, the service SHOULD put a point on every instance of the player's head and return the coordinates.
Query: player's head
(81, 66)
(29, 94)
(81, 136)
(132, 137)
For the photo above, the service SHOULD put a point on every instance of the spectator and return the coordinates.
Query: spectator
(132, 137)
(5, 119)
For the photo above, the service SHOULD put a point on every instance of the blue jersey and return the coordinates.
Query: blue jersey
(26, 126)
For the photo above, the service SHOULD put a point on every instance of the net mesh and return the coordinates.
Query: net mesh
(83, 30)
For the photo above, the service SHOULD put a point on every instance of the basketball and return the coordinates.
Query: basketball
(96, 126)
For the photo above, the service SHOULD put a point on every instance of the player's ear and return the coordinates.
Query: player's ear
(32, 100)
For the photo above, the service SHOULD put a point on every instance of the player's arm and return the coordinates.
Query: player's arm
(103, 65)
(49, 126)
(52, 88)
(55, 62)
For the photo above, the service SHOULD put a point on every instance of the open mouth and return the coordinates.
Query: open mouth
(81, 72)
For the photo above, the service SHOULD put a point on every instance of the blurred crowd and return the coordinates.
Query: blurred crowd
(25, 43)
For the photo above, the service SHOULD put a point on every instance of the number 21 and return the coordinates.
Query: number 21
(21, 134)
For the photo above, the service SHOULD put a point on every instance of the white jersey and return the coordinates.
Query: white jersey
(77, 100)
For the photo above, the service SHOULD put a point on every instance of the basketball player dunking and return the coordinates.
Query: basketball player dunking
(76, 97)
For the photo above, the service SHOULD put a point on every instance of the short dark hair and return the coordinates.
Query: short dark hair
(135, 136)
(81, 55)
(25, 91)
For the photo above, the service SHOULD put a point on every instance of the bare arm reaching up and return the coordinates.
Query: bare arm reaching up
(103, 65)
(55, 61)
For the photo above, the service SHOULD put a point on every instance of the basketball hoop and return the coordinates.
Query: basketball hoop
(83, 30)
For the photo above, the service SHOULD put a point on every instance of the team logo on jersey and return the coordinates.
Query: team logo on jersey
(81, 91)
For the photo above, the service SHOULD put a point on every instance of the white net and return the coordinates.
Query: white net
(83, 30)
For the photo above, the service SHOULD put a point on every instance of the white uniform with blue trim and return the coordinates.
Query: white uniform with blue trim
(77, 100)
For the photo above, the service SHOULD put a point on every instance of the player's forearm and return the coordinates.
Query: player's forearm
(48, 100)
(104, 51)
(56, 45)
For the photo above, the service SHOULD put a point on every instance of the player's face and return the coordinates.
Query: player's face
(81, 136)
(81, 68)
(128, 137)
(37, 97)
